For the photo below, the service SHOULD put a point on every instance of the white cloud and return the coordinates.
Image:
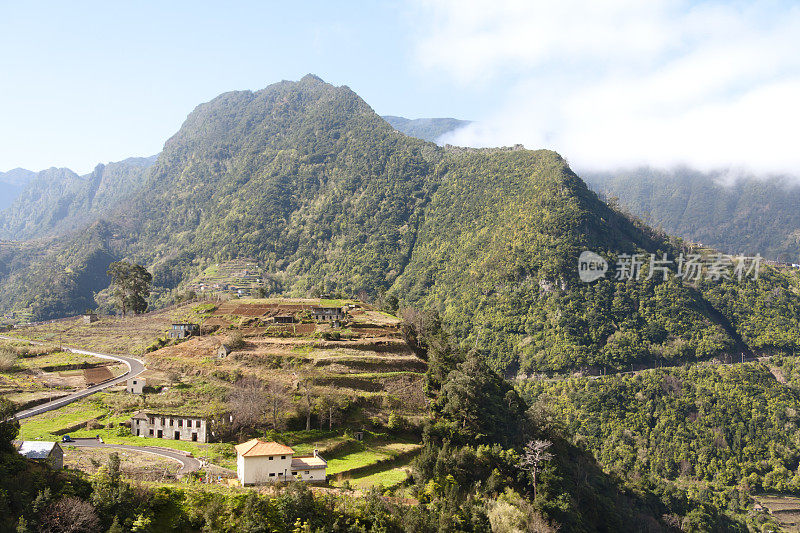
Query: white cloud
(627, 82)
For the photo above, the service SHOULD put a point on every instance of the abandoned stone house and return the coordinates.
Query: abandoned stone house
(173, 427)
(182, 331)
(328, 314)
(223, 351)
(46, 452)
(283, 319)
(89, 318)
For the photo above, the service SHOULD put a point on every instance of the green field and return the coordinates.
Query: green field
(57, 359)
(385, 479)
(44, 426)
(354, 460)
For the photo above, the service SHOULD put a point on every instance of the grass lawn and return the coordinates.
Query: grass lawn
(58, 358)
(386, 479)
(354, 460)
(43, 427)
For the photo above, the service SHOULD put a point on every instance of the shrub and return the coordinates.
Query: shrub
(8, 360)
(236, 339)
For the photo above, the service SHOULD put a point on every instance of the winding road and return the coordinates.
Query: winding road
(188, 464)
(135, 367)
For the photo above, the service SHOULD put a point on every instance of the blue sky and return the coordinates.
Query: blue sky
(107, 80)
(621, 82)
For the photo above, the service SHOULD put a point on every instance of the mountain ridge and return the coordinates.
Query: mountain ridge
(309, 181)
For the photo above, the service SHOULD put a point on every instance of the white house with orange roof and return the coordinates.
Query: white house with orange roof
(259, 462)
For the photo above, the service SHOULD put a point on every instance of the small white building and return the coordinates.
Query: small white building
(46, 452)
(309, 467)
(259, 462)
(135, 385)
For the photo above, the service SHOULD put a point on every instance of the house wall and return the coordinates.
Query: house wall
(56, 458)
(257, 470)
(186, 427)
(314, 474)
(135, 385)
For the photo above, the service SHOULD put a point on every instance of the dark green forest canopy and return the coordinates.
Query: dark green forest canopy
(305, 178)
(724, 425)
(734, 213)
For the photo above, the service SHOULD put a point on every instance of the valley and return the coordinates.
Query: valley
(343, 319)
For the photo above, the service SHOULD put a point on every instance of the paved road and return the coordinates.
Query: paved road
(188, 464)
(135, 367)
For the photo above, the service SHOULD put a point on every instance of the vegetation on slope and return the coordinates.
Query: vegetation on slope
(57, 200)
(751, 214)
(306, 180)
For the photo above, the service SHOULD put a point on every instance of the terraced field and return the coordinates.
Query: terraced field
(353, 378)
(42, 373)
(785, 510)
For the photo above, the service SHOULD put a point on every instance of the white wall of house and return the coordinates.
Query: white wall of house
(263, 469)
(57, 457)
(135, 385)
(313, 474)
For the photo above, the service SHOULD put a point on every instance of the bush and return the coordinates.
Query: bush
(8, 360)
(236, 340)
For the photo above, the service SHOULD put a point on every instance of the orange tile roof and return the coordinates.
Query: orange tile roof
(257, 447)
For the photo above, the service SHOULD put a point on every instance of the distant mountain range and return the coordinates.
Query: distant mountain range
(38, 204)
(12, 184)
(427, 129)
(57, 200)
(747, 214)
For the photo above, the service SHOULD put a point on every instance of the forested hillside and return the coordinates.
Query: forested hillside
(306, 179)
(57, 200)
(748, 215)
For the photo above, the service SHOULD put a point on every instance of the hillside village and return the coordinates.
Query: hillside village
(247, 392)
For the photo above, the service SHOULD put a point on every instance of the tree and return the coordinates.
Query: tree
(116, 527)
(130, 286)
(9, 426)
(247, 403)
(276, 397)
(305, 385)
(110, 493)
(535, 454)
(70, 515)
(480, 406)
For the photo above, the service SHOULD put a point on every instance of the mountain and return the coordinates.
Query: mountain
(427, 129)
(749, 214)
(306, 179)
(57, 200)
(12, 183)
(18, 177)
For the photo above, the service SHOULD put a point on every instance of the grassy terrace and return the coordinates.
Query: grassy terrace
(46, 425)
(385, 478)
(131, 335)
(57, 359)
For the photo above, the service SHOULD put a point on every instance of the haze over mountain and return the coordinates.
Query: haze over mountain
(12, 183)
(305, 178)
(57, 200)
(427, 129)
(749, 214)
